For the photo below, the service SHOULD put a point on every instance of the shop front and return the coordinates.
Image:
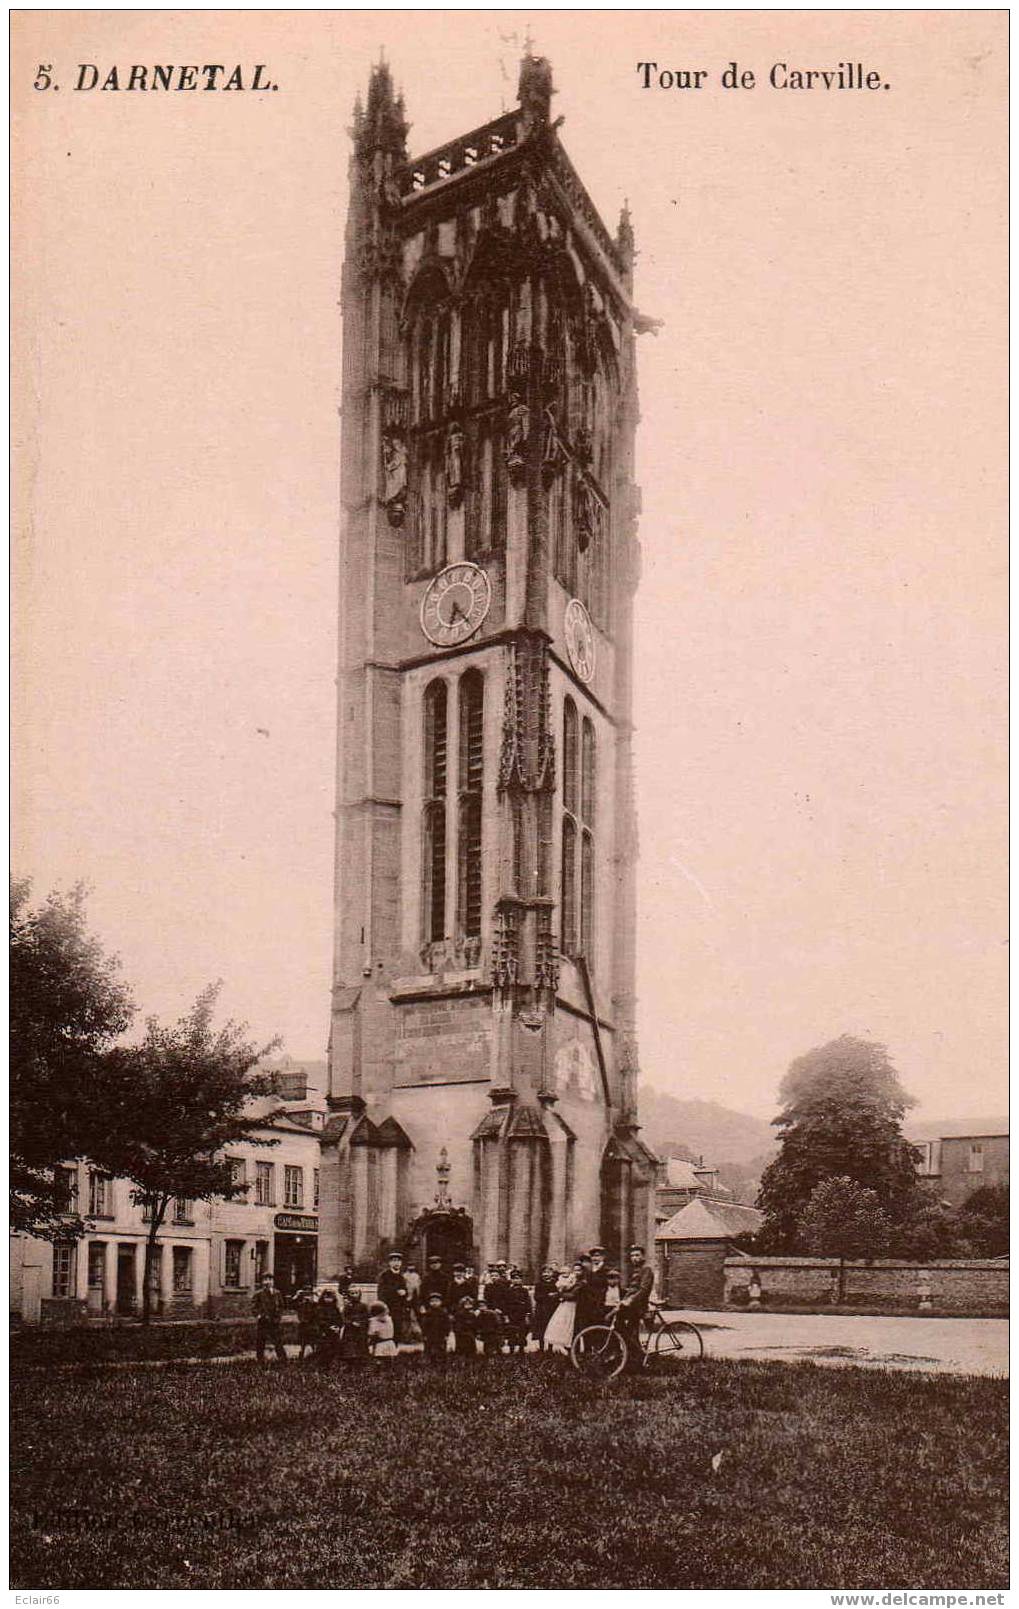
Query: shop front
(295, 1251)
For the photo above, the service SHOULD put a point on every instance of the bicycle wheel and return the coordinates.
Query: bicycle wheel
(676, 1340)
(599, 1352)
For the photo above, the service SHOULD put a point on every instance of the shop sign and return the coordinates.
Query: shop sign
(296, 1220)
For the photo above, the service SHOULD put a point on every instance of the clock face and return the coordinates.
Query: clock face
(455, 604)
(580, 639)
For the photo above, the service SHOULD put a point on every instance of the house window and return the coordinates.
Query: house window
(472, 720)
(182, 1268)
(183, 1210)
(100, 1195)
(435, 812)
(264, 1193)
(293, 1186)
(315, 1176)
(63, 1270)
(65, 1181)
(238, 1172)
(975, 1163)
(233, 1251)
(97, 1265)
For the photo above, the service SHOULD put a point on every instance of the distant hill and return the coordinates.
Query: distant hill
(703, 1128)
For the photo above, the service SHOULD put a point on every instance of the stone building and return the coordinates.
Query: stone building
(482, 1063)
(679, 1181)
(210, 1254)
(962, 1164)
(101, 1275)
(691, 1249)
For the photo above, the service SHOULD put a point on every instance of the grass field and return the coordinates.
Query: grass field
(33, 1348)
(508, 1473)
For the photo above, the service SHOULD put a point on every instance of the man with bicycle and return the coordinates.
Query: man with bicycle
(635, 1301)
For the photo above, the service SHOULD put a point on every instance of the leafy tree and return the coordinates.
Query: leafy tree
(742, 1178)
(68, 1005)
(841, 1117)
(983, 1221)
(930, 1230)
(844, 1219)
(172, 1104)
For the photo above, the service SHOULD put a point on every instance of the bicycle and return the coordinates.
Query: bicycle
(600, 1352)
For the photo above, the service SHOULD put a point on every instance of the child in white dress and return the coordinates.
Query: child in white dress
(380, 1331)
(559, 1330)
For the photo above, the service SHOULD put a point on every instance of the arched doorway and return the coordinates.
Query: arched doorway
(446, 1232)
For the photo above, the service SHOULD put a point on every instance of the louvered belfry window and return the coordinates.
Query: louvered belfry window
(435, 812)
(472, 714)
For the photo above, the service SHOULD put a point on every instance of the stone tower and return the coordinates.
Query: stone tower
(482, 1065)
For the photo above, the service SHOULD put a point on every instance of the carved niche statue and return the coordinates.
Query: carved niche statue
(551, 445)
(455, 449)
(586, 514)
(517, 422)
(394, 475)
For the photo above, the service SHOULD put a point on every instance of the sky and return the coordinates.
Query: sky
(820, 682)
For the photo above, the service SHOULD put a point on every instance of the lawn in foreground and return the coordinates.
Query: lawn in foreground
(508, 1472)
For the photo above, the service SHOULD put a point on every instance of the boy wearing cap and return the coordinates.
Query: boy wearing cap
(590, 1303)
(435, 1327)
(546, 1300)
(434, 1282)
(393, 1292)
(636, 1298)
(518, 1312)
(496, 1288)
(268, 1309)
(599, 1277)
(459, 1287)
(465, 1329)
(490, 1324)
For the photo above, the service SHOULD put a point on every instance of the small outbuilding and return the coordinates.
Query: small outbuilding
(693, 1245)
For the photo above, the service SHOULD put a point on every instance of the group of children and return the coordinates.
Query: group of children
(455, 1312)
(498, 1315)
(347, 1333)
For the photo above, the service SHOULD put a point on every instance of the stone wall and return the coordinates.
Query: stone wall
(692, 1274)
(960, 1285)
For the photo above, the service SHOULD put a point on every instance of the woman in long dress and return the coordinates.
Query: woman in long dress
(559, 1330)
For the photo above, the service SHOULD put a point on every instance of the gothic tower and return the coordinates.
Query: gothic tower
(482, 1064)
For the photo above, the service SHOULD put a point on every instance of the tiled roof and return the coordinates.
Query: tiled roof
(390, 1133)
(704, 1218)
(679, 1175)
(491, 1124)
(517, 1121)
